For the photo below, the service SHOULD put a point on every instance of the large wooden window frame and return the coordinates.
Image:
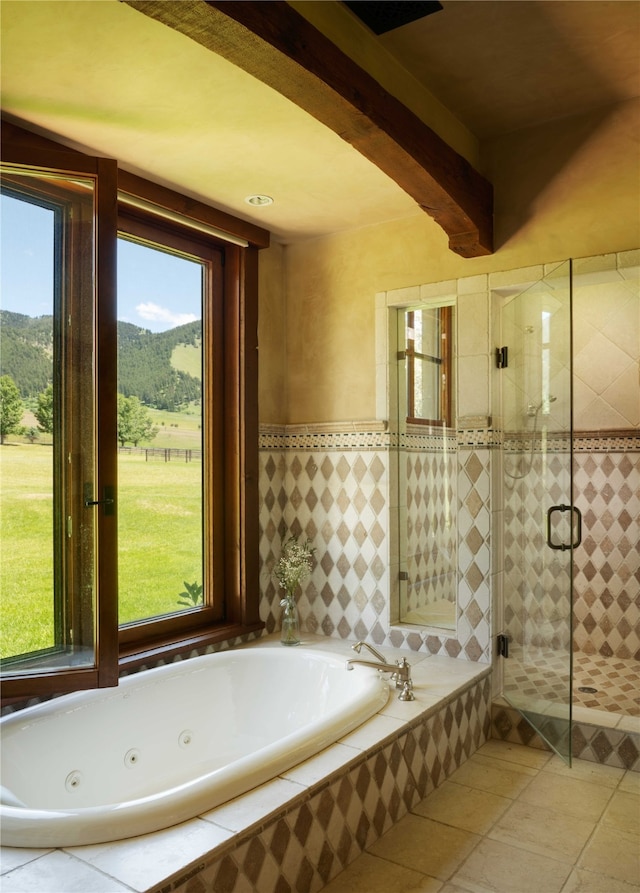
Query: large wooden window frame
(231, 604)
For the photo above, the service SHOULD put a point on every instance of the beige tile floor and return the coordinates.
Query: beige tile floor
(512, 819)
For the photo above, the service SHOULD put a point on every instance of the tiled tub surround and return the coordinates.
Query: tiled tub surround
(300, 830)
(338, 486)
(511, 820)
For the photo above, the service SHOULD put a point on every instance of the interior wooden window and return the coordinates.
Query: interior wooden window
(429, 355)
(88, 381)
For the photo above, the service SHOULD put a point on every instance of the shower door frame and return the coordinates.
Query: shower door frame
(541, 524)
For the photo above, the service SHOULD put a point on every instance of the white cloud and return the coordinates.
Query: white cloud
(154, 313)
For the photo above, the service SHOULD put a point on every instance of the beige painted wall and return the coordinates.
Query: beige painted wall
(272, 341)
(568, 189)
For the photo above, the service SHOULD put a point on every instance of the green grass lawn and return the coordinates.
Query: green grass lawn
(159, 532)
(160, 540)
(179, 430)
(26, 553)
(187, 358)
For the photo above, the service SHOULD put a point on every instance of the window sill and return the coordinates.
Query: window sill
(135, 655)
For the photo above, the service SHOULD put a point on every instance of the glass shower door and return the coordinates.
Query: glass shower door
(541, 525)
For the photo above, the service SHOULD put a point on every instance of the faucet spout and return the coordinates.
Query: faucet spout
(359, 645)
(400, 671)
(383, 667)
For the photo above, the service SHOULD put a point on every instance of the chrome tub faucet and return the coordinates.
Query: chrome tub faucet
(400, 671)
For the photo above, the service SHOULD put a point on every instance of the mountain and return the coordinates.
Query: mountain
(145, 365)
(146, 370)
(26, 350)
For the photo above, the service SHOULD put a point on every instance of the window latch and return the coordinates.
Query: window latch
(108, 500)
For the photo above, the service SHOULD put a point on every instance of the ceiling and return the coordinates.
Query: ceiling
(518, 64)
(107, 78)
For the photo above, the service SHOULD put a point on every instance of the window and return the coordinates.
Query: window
(175, 525)
(428, 353)
(162, 504)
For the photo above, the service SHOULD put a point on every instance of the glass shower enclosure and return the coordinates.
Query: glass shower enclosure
(541, 525)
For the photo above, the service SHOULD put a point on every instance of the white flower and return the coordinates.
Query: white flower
(294, 564)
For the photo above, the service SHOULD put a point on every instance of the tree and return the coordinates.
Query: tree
(134, 421)
(44, 410)
(11, 407)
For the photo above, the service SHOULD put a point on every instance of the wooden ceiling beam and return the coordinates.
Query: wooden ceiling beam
(278, 46)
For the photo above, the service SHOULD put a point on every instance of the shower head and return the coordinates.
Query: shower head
(533, 409)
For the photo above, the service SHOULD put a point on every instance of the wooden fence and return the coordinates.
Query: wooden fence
(166, 453)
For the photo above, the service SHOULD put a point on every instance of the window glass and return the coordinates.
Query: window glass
(48, 425)
(427, 337)
(160, 431)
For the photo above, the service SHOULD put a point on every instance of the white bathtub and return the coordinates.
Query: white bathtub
(171, 743)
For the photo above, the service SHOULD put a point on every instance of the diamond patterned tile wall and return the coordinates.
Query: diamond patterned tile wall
(606, 582)
(537, 602)
(474, 554)
(431, 503)
(607, 566)
(335, 488)
(339, 501)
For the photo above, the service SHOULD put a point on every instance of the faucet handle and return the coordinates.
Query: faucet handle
(402, 677)
(407, 692)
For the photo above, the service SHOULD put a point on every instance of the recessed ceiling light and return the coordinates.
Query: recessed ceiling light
(259, 200)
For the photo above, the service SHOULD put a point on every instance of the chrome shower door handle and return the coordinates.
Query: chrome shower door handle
(562, 547)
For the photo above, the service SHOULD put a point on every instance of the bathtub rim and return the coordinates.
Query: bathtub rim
(25, 827)
(290, 792)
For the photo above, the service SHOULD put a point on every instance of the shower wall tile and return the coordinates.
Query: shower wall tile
(607, 565)
(606, 338)
(537, 591)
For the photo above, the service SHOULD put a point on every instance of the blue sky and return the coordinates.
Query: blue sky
(156, 291)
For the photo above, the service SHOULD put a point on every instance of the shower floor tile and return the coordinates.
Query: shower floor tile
(617, 683)
(542, 675)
